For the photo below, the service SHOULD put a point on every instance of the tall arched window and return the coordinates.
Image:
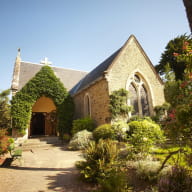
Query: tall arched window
(139, 97)
(144, 101)
(134, 99)
(87, 105)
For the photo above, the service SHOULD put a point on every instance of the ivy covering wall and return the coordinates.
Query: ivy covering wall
(44, 83)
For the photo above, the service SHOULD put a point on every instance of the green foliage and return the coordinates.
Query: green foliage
(120, 129)
(177, 180)
(81, 124)
(144, 134)
(65, 113)
(168, 58)
(174, 154)
(171, 91)
(161, 111)
(100, 158)
(104, 131)
(5, 117)
(80, 140)
(118, 104)
(138, 118)
(115, 182)
(45, 83)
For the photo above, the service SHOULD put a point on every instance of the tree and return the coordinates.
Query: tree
(168, 59)
(180, 117)
(188, 7)
(5, 118)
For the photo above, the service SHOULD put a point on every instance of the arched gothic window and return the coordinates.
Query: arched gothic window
(139, 97)
(134, 99)
(87, 105)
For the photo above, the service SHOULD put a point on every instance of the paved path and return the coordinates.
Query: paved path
(43, 170)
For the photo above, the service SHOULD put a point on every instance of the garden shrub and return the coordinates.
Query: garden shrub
(177, 180)
(80, 140)
(81, 124)
(138, 118)
(147, 169)
(144, 134)
(118, 104)
(5, 141)
(115, 182)
(120, 129)
(104, 131)
(100, 159)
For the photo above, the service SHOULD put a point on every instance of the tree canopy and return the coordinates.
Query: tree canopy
(5, 119)
(168, 59)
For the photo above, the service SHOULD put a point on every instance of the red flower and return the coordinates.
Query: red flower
(172, 116)
(175, 54)
(183, 84)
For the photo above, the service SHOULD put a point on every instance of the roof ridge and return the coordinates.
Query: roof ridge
(54, 66)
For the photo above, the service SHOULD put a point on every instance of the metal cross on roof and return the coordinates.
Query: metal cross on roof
(46, 62)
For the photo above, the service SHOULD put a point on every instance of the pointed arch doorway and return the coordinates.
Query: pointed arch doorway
(43, 119)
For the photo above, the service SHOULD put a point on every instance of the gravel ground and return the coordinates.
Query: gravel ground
(43, 170)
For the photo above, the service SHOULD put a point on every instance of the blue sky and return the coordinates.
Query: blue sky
(80, 34)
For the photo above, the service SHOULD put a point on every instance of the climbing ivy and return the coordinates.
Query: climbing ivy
(44, 83)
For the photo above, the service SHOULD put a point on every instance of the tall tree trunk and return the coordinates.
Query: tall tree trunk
(188, 7)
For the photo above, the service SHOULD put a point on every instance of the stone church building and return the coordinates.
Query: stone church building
(129, 68)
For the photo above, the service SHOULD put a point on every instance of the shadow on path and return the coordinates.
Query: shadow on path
(39, 168)
(68, 182)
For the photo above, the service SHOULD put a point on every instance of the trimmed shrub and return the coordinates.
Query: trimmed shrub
(81, 124)
(100, 158)
(144, 134)
(80, 140)
(104, 131)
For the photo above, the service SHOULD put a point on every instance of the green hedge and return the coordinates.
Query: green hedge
(44, 83)
(82, 124)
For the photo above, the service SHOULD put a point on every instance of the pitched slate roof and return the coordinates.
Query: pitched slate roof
(68, 77)
(105, 66)
(94, 74)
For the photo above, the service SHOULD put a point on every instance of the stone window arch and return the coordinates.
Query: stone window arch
(139, 95)
(87, 105)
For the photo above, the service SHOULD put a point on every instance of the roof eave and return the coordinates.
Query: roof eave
(90, 84)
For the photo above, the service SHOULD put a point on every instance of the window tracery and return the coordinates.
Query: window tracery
(139, 97)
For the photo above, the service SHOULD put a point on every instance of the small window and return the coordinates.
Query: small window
(87, 105)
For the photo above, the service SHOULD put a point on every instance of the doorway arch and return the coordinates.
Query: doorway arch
(43, 119)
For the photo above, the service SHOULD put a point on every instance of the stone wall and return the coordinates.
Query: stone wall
(131, 60)
(99, 102)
